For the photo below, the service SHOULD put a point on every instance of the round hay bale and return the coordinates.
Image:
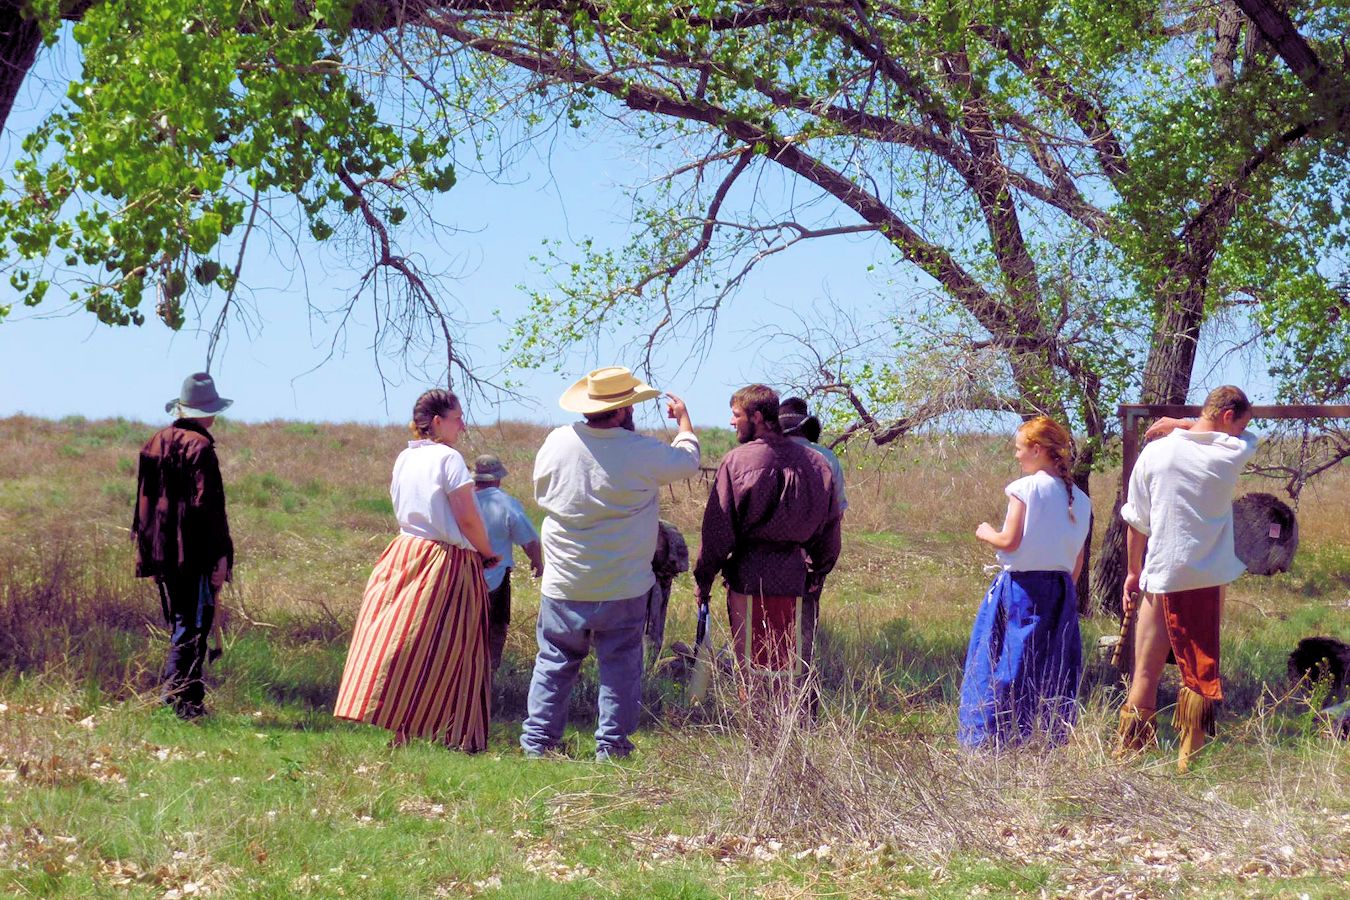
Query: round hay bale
(1265, 533)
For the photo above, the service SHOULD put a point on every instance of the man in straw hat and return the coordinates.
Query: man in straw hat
(507, 525)
(771, 528)
(598, 482)
(183, 536)
(1180, 509)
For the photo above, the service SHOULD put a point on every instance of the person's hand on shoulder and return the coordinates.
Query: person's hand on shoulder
(1165, 426)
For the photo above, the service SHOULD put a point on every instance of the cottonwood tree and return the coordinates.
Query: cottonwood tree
(1077, 186)
(197, 124)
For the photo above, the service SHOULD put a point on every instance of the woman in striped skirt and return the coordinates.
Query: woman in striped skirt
(419, 661)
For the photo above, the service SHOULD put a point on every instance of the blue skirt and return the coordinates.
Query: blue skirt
(1023, 663)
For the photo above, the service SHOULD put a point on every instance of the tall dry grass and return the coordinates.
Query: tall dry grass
(878, 776)
(310, 513)
(851, 788)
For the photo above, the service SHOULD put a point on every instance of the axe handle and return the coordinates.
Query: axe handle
(702, 675)
(1126, 623)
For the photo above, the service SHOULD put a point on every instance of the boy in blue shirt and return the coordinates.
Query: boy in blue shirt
(506, 525)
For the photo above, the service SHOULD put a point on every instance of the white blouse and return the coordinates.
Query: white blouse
(1051, 540)
(425, 474)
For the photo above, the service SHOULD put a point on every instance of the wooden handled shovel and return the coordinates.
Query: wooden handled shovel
(703, 658)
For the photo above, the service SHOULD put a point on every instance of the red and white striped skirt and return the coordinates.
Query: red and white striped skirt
(419, 661)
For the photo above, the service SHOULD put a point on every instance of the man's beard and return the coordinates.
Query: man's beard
(745, 434)
(628, 421)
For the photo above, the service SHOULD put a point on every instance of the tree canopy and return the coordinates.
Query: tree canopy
(1074, 189)
(189, 121)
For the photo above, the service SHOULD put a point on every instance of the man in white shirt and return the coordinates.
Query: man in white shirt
(598, 483)
(1180, 509)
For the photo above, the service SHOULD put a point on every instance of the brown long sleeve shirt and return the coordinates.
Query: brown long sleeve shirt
(771, 526)
(179, 524)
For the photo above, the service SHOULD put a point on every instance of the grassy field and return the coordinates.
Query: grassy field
(103, 793)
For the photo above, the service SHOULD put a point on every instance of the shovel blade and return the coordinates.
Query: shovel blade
(702, 676)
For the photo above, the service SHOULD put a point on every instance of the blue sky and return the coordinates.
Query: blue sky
(58, 360)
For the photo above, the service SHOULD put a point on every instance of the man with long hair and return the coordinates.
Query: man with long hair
(771, 529)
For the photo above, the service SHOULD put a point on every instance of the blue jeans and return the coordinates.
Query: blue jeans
(189, 606)
(566, 632)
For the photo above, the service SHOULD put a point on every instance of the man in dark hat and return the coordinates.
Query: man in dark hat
(507, 526)
(800, 426)
(182, 535)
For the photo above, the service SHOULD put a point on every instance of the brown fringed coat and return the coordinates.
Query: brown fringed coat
(179, 524)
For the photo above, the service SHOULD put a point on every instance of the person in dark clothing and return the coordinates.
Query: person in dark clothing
(771, 529)
(182, 535)
(671, 558)
(799, 425)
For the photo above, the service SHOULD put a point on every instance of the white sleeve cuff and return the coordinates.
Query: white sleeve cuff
(1134, 520)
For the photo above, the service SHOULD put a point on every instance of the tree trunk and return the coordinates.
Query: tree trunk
(1083, 587)
(19, 42)
(1108, 575)
(1167, 379)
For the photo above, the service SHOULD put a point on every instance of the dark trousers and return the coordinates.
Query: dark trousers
(810, 618)
(499, 617)
(654, 632)
(189, 606)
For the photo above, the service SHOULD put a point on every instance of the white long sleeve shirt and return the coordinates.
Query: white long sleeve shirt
(1181, 497)
(599, 489)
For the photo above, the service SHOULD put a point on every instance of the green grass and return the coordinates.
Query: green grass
(103, 793)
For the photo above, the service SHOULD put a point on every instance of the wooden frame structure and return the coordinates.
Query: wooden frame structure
(1131, 414)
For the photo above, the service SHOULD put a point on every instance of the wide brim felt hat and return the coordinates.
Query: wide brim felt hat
(198, 399)
(604, 389)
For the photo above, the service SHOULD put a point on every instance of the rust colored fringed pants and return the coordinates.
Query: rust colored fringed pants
(1192, 619)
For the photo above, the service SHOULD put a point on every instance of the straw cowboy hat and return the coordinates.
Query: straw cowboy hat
(198, 399)
(612, 387)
